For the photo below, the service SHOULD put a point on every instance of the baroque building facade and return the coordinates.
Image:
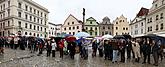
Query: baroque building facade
(23, 17)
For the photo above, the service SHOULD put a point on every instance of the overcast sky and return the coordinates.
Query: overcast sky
(60, 9)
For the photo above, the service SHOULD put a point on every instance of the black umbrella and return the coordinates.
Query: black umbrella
(119, 37)
(127, 36)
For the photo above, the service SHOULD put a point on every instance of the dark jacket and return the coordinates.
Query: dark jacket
(146, 48)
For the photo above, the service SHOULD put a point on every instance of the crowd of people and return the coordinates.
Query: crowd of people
(111, 49)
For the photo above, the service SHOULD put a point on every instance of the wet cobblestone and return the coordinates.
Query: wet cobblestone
(27, 59)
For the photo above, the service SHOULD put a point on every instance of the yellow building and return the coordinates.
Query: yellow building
(121, 26)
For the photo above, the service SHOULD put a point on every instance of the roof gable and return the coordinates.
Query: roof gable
(142, 12)
(91, 21)
(71, 19)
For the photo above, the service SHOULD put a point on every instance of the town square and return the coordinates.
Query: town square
(82, 33)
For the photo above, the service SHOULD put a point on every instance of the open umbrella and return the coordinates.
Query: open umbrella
(127, 36)
(82, 34)
(70, 38)
(107, 36)
(67, 35)
(119, 37)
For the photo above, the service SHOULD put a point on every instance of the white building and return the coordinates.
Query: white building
(71, 25)
(23, 16)
(155, 20)
(138, 24)
(54, 29)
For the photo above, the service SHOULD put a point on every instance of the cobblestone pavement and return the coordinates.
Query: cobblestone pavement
(19, 58)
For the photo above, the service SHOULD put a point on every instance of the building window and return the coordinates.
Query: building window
(116, 33)
(73, 33)
(26, 25)
(64, 28)
(90, 33)
(19, 14)
(30, 9)
(38, 13)
(72, 22)
(19, 24)
(116, 28)
(124, 28)
(156, 27)
(95, 28)
(41, 21)
(73, 28)
(78, 31)
(8, 3)
(19, 5)
(116, 22)
(41, 28)
(34, 11)
(30, 26)
(141, 31)
(30, 18)
(38, 20)
(157, 16)
(141, 23)
(68, 23)
(103, 27)
(34, 19)
(8, 23)
(150, 19)
(41, 14)
(90, 22)
(91, 28)
(148, 29)
(38, 28)
(96, 33)
(26, 16)
(26, 7)
(108, 27)
(136, 26)
(156, 5)
(45, 29)
(161, 16)
(123, 20)
(151, 28)
(25, 33)
(86, 28)
(102, 33)
(69, 28)
(77, 27)
(120, 20)
(8, 12)
(8, 33)
(34, 27)
(161, 26)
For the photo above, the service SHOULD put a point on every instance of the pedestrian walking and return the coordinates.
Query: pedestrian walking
(129, 49)
(115, 47)
(100, 48)
(61, 46)
(48, 48)
(155, 49)
(94, 48)
(54, 45)
(146, 50)
(72, 46)
(122, 50)
(136, 50)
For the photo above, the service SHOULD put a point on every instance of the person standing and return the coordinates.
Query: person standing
(129, 49)
(61, 46)
(106, 49)
(155, 49)
(136, 50)
(146, 49)
(115, 47)
(72, 50)
(122, 50)
(54, 45)
(100, 48)
(94, 48)
(49, 48)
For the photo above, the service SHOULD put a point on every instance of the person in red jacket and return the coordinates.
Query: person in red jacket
(61, 46)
